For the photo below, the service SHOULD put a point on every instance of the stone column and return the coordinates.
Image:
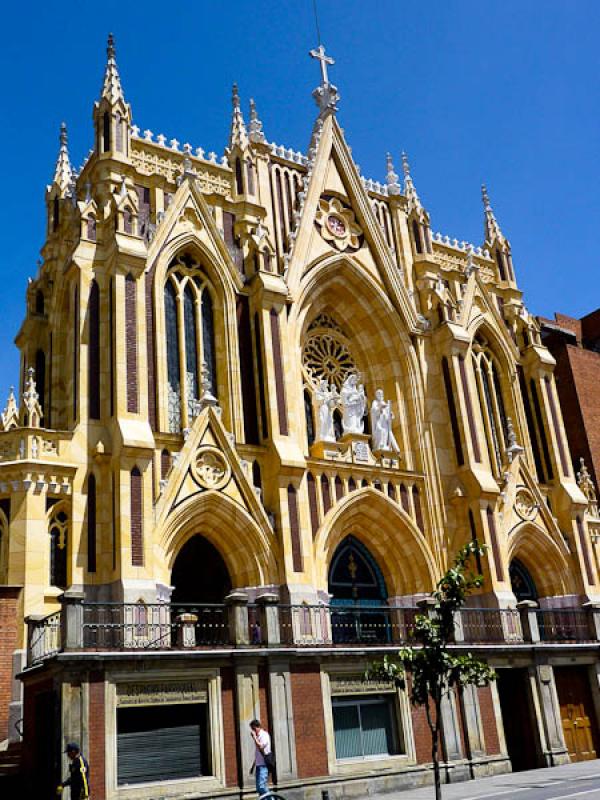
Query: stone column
(282, 718)
(593, 610)
(269, 618)
(237, 603)
(549, 719)
(451, 739)
(248, 708)
(71, 622)
(469, 700)
(529, 620)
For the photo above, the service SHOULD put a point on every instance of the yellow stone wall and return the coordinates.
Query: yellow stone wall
(402, 312)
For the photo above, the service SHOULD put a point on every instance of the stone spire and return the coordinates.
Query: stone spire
(256, 126)
(409, 187)
(9, 418)
(391, 178)
(492, 229)
(326, 94)
(63, 174)
(111, 88)
(239, 134)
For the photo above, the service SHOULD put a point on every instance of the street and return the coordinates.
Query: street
(580, 780)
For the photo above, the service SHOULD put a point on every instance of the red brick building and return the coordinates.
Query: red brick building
(575, 344)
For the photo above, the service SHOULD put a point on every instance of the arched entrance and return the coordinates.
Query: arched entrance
(199, 575)
(522, 583)
(359, 595)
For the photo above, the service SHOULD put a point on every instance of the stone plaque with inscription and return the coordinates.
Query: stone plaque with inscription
(161, 693)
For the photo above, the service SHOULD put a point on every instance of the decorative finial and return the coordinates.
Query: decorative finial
(207, 398)
(63, 172)
(492, 229)
(239, 135)
(391, 177)
(409, 188)
(586, 484)
(235, 97)
(326, 94)
(513, 449)
(9, 418)
(405, 165)
(31, 410)
(256, 126)
(111, 88)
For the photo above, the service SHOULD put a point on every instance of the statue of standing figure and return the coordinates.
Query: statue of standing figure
(381, 424)
(354, 405)
(326, 399)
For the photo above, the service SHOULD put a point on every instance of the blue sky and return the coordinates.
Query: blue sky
(502, 92)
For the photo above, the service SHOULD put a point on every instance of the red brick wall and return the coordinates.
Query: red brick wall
(307, 700)
(96, 754)
(585, 369)
(421, 735)
(9, 599)
(569, 324)
(488, 720)
(229, 727)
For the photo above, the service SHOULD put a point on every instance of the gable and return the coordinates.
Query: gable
(337, 217)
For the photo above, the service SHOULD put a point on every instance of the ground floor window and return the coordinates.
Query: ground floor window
(162, 742)
(365, 726)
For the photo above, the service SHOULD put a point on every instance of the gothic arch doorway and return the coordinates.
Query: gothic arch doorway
(522, 583)
(358, 595)
(199, 574)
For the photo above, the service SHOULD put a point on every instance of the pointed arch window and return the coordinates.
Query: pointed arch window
(58, 528)
(239, 182)
(416, 230)
(94, 351)
(91, 524)
(489, 388)
(189, 326)
(106, 132)
(118, 133)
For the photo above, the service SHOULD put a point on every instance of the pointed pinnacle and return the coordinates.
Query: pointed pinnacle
(391, 178)
(63, 172)
(235, 97)
(256, 127)
(111, 88)
(239, 135)
(405, 165)
(492, 228)
(485, 197)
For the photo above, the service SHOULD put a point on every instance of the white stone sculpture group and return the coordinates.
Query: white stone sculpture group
(353, 402)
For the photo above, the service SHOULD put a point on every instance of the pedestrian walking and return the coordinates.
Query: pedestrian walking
(79, 774)
(264, 761)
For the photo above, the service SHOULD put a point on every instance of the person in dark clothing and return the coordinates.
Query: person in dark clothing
(79, 774)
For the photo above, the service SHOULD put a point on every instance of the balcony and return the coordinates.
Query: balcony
(86, 627)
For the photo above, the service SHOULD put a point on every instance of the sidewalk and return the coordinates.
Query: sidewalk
(535, 784)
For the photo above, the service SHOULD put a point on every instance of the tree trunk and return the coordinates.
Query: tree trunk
(435, 750)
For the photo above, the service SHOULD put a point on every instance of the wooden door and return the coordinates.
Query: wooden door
(577, 712)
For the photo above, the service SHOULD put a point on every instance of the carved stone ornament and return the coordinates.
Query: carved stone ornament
(525, 505)
(210, 469)
(338, 224)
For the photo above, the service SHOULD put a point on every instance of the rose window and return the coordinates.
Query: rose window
(326, 356)
(338, 224)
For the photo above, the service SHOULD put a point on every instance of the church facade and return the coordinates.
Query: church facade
(261, 407)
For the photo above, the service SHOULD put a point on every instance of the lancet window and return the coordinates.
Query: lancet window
(58, 528)
(189, 325)
(489, 389)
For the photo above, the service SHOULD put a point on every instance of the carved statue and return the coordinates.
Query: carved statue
(326, 398)
(354, 405)
(381, 424)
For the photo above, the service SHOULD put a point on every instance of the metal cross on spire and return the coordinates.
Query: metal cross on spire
(319, 54)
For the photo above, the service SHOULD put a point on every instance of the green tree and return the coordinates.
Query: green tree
(434, 668)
